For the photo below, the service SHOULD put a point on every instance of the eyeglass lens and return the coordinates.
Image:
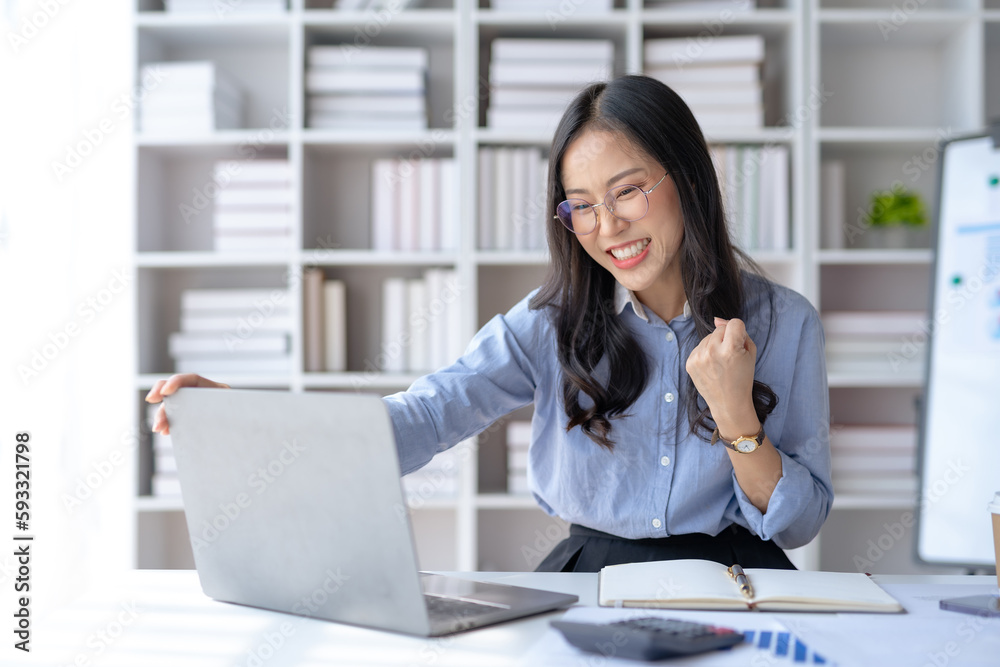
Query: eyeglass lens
(627, 202)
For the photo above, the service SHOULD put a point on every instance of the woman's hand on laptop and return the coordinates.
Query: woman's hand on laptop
(170, 385)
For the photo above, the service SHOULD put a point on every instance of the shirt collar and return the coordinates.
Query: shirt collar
(624, 296)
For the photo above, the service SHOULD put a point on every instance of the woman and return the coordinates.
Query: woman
(640, 354)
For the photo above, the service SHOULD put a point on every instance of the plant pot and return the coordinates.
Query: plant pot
(895, 237)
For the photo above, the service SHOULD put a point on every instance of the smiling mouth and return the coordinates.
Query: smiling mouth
(629, 251)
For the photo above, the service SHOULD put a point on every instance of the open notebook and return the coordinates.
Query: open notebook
(703, 584)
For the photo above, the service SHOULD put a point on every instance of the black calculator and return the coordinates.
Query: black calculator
(647, 637)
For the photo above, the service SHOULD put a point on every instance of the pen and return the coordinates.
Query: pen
(737, 573)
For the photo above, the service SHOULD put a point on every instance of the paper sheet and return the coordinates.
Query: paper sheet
(926, 635)
(768, 642)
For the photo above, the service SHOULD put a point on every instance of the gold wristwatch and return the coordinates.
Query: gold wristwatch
(744, 444)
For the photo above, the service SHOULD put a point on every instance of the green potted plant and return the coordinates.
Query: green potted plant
(897, 218)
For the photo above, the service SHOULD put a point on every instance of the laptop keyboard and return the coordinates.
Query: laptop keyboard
(450, 609)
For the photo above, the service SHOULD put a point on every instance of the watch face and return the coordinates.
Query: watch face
(746, 446)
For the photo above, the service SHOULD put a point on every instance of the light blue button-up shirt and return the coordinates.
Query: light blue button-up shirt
(660, 479)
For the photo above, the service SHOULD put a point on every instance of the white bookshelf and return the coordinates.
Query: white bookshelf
(891, 99)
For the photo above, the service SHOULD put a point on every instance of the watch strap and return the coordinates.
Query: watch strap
(758, 438)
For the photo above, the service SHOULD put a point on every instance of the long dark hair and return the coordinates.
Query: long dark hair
(580, 293)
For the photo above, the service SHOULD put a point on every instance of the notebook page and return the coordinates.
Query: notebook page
(669, 581)
(852, 589)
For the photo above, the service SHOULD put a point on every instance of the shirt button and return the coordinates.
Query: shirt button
(668, 397)
(656, 523)
(665, 461)
(670, 336)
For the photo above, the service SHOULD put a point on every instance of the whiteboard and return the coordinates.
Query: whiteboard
(960, 429)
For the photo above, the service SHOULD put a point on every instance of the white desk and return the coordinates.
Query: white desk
(149, 618)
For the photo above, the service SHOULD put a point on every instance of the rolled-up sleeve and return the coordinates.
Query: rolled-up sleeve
(802, 498)
(493, 377)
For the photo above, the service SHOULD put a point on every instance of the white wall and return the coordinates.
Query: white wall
(66, 298)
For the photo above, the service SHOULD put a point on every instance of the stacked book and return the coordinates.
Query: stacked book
(421, 322)
(535, 6)
(164, 479)
(438, 479)
(188, 97)
(833, 214)
(512, 198)
(374, 88)
(225, 7)
(362, 5)
(702, 5)
(253, 206)
(414, 204)
(527, 96)
(874, 460)
(877, 343)
(325, 319)
(233, 331)
(755, 188)
(719, 78)
(518, 441)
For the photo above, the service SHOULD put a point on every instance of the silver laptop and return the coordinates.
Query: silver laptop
(294, 503)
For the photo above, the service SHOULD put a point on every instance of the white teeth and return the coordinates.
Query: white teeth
(628, 252)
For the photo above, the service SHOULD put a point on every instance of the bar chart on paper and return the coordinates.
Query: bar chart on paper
(784, 645)
(766, 641)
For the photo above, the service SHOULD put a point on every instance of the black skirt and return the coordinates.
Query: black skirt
(588, 550)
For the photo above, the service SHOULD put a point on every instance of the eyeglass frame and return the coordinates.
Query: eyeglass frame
(604, 203)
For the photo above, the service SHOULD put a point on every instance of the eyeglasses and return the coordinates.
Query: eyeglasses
(625, 202)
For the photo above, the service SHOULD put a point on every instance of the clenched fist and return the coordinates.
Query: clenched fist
(722, 369)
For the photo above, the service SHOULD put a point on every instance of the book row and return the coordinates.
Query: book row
(874, 460)
(512, 198)
(349, 87)
(188, 97)
(755, 187)
(224, 7)
(413, 204)
(718, 78)
(421, 323)
(252, 207)
(875, 342)
(522, 94)
(233, 331)
(324, 315)
(375, 87)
